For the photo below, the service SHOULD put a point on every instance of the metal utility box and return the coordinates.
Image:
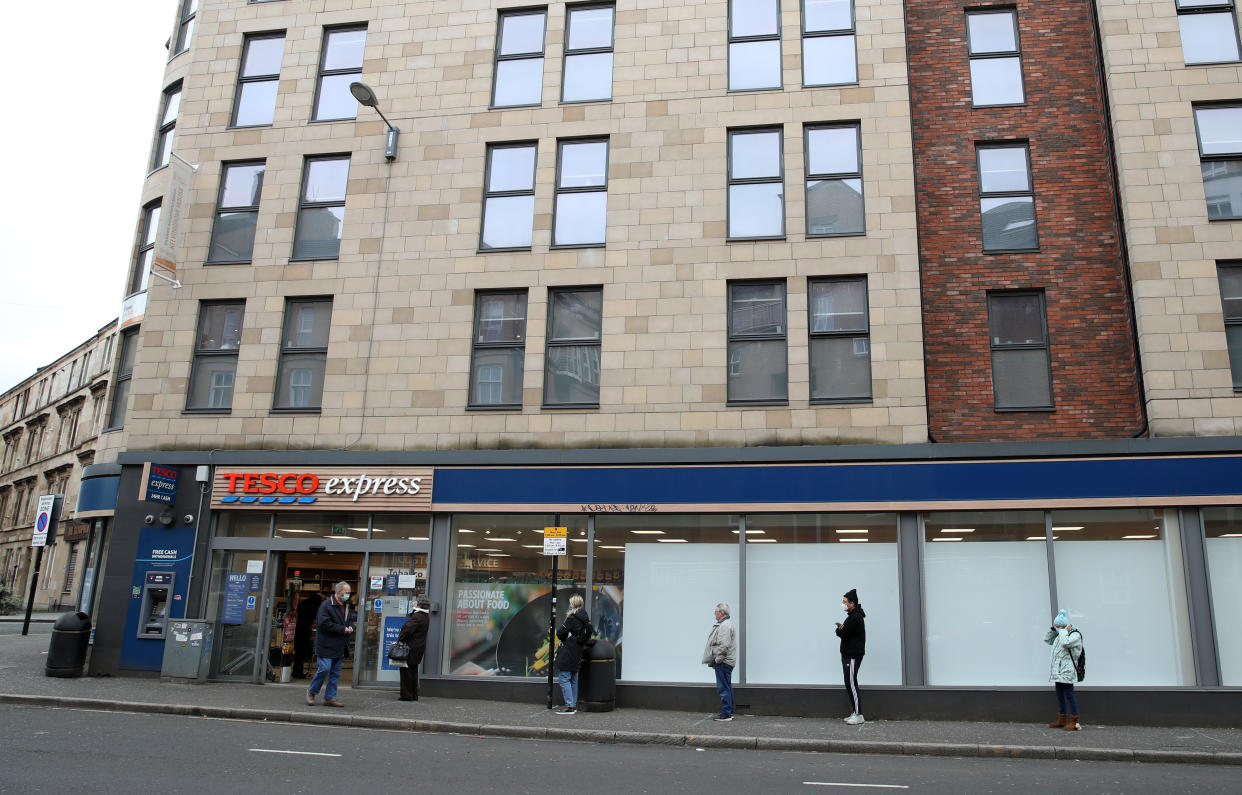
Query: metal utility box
(187, 649)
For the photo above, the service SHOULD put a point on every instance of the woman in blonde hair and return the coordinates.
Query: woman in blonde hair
(573, 635)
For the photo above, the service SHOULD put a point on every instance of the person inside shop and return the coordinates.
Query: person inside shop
(574, 635)
(413, 634)
(1066, 642)
(721, 655)
(853, 635)
(334, 627)
(308, 608)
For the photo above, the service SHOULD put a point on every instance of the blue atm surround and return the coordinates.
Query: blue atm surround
(159, 550)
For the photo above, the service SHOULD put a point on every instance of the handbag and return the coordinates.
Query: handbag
(399, 651)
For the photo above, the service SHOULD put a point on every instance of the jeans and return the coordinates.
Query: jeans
(569, 687)
(724, 685)
(1065, 696)
(329, 669)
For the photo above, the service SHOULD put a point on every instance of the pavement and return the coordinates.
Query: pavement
(23, 681)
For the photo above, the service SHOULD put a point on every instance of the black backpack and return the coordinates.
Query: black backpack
(1080, 665)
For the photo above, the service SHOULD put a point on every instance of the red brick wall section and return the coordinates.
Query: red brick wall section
(1079, 263)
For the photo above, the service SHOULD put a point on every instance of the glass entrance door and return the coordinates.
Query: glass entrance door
(303, 581)
(234, 603)
(394, 580)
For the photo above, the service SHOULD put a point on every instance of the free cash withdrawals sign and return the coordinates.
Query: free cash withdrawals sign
(555, 540)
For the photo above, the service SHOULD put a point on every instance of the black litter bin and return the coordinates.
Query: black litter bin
(598, 680)
(66, 654)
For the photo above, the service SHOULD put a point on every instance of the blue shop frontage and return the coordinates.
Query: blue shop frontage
(960, 554)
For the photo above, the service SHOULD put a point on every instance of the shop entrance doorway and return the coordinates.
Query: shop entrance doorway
(303, 581)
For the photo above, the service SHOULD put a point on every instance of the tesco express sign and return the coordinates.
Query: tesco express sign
(305, 487)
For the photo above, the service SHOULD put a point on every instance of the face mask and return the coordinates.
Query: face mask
(845, 607)
(344, 597)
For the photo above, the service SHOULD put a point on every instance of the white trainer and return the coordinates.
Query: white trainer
(854, 720)
(850, 717)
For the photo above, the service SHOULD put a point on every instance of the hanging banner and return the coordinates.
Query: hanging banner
(172, 213)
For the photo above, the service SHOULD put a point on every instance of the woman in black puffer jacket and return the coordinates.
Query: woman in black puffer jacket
(573, 635)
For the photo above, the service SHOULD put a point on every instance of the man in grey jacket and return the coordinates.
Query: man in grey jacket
(721, 654)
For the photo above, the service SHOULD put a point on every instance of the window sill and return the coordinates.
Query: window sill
(315, 259)
(538, 104)
(584, 101)
(247, 126)
(570, 246)
(841, 401)
(156, 170)
(503, 250)
(1010, 250)
(503, 407)
(741, 404)
(215, 412)
(830, 235)
(1037, 409)
(211, 262)
(999, 105)
(1226, 219)
(1210, 63)
(570, 406)
(747, 90)
(754, 239)
(309, 410)
(831, 85)
(332, 121)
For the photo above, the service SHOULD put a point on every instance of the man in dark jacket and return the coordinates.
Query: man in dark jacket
(334, 626)
(414, 632)
(853, 635)
(308, 608)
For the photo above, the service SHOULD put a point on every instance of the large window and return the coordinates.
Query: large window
(756, 184)
(1021, 364)
(1220, 155)
(146, 248)
(758, 355)
(754, 44)
(185, 25)
(1119, 574)
(1006, 198)
(828, 50)
(1230, 275)
(258, 80)
(807, 560)
(1222, 530)
(215, 356)
(519, 59)
(321, 213)
(994, 635)
(237, 213)
(840, 340)
(509, 197)
(995, 58)
(341, 65)
(581, 193)
(124, 375)
(1209, 31)
(834, 188)
(169, 107)
(571, 372)
(649, 567)
(499, 349)
(588, 54)
(303, 354)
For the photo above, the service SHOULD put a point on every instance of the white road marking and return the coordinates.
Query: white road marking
(842, 784)
(298, 753)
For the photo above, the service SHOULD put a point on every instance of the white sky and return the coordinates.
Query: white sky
(80, 89)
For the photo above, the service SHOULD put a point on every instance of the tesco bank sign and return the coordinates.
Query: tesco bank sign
(324, 488)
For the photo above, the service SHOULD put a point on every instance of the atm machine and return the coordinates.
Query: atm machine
(158, 593)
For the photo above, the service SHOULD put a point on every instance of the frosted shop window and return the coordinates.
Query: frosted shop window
(809, 559)
(1119, 573)
(497, 612)
(1222, 530)
(985, 594)
(652, 569)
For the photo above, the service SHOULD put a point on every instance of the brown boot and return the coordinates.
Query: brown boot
(1059, 723)
(1071, 724)
(332, 702)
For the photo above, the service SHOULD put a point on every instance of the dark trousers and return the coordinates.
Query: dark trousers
(409, 681)
(1066, 699)
(724, 686)
(849, 668)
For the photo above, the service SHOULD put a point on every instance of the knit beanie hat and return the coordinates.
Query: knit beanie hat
(852, 595)
(1062, 619)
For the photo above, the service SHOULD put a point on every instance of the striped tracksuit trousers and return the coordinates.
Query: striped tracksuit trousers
(849, 668)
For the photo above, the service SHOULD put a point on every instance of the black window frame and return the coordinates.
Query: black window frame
(1225, 7)
(568, 53)
(736, 337)
(851, 32)
(129, 342)
(779, 130)
(303, 204)
(994, 348)
(853, 334)
(244, 79)
(323, 72)
(551, 343)
(287, 349)
(1231, 160)
(138, 279)
(501, 194)
(1030, 191)
(748, 39)
(165, 130)
(252, 209)
(559, 191)
(185, 26)
(810, 176)
(972, 56)
(1230, 320)
(497, 58)
(202, 353)
(476, 346)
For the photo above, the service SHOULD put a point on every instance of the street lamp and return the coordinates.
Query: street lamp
(365, 96)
